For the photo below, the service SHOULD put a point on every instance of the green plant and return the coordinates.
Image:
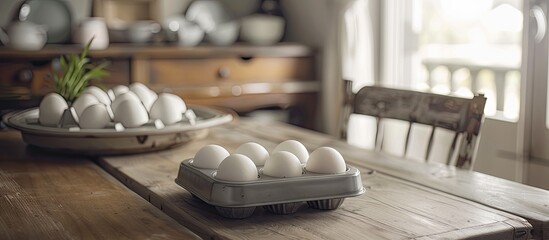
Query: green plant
(76, 72)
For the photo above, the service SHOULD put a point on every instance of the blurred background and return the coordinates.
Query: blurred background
(494, 47)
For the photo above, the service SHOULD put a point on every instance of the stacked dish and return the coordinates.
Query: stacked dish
(219, 25)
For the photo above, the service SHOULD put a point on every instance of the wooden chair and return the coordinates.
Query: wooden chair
(432, 121)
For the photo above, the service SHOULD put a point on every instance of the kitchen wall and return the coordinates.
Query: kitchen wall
(318, 23)
(311, 23)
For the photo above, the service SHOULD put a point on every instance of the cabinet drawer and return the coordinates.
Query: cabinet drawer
(185, 72)
(28, 77)
(35, 77)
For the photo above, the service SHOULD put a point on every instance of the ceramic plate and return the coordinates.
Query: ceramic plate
(110, 141)
(55, 15)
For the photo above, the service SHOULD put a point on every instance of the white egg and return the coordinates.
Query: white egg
(146, 96)
(148, 102)
(295, 147)
(283, 164)
(254, 151)
(137, 85)
(123, 97)
(237, 168)
(51, 109)
(153, 93)
(120, 89)
(99, 94)
(326, 160)
(83, 101)
(168, 108)
(95, 117)
(131, 113)
(209, 156)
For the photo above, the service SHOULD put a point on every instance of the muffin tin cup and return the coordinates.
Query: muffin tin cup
(326, 204)
(283, 208)
(235, 212)
(276, 195)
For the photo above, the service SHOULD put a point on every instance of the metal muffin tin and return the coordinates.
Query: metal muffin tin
(278, 195)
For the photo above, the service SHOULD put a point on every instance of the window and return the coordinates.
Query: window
(457, 47)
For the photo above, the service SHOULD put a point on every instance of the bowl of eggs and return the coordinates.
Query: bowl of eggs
(121, 120)
(281, 181)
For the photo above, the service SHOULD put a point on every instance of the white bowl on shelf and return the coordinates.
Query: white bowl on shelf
(262, 29)
(224, 34)
(143, 31)
(188, 33)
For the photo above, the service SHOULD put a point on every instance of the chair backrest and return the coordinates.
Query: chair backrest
(431, 127)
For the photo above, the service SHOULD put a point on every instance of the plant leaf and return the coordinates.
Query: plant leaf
(76, 72)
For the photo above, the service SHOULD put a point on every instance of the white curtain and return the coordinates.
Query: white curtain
(357, 45)
(357, 65)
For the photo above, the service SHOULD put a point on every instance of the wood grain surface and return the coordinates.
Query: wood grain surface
(48, 196)
(528, 202)
(390, 208)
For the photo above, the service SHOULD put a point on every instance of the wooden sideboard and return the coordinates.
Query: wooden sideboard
(240, 77)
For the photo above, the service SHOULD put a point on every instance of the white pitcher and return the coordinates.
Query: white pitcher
(25, 36)
(93, 27)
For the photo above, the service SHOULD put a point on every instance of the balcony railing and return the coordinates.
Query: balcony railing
(500, 84)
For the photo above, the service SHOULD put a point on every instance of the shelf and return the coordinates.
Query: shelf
(165, 51)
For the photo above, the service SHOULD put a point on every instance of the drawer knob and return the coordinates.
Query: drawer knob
(246, 58)
(236, 90)
(224, 72)
(24, 76)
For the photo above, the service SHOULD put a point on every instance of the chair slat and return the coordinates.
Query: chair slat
(394, 136)
(441, 146)
(418, 142)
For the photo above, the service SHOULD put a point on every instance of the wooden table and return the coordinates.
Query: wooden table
(52, 196)
(391, 207)
(48, 196)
